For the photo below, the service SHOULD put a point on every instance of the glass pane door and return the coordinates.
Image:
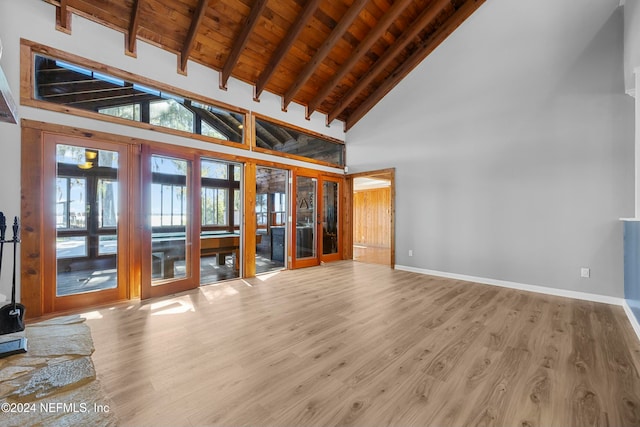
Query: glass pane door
(85, 229)
(271, 218)
(170, 260)
(305, 219)
(220, 231)
(330, 218)
(86, 207)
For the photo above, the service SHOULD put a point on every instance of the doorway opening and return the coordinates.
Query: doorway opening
(373, 217)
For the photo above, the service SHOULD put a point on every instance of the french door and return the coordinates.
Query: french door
(86, 226)
(330, 220)
(170, 223)
(305, 221)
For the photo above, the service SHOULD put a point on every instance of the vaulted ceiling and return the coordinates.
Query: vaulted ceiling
(336, 57)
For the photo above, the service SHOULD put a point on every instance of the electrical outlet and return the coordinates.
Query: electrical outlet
(410, 252)
(585, 272)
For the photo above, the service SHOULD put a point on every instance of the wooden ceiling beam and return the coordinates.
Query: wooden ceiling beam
(198, 16)
(63, 17)
(323, 51)
(427, 16)
(131, 34)
(241, 41)
(292, 35)
(363, 47)
(424, 49)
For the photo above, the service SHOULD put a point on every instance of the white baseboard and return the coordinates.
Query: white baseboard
(632, 318)
(520, 286)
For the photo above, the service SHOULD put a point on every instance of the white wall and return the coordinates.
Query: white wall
(631, 42)
(35, 20)
(513, 147)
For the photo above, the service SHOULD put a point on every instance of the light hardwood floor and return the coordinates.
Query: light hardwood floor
(352, 344)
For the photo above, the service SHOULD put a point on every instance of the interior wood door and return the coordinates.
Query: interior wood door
(330, 219)
(171, 216)
(86, 226)
(305, 221)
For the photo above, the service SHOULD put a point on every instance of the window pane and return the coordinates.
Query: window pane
(107, 203)
(207, 130)
(214, 170)
(284, 139)
(76, 204)
(78, 87)
(71, 247)
(129, 112)
(170, 114)
(236, 206)
(108, 245)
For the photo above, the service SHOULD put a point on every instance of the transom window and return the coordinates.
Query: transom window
(68, 84)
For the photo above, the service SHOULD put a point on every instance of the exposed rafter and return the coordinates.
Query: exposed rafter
(374, 35)
(324, 50)
(293, 33)
(241, 41)
(427, 16)
(424, 49)
(63, 17)
(191, 35)
(132, 34)
(336, 57)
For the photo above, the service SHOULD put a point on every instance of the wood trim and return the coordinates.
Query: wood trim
(241, 41)
(31, 262)
(296, 128)
(427, 16)
(341, 185)
(132, 35)
(363, 47)
(198, 16)
(192, 279)
(347, 218)
(249, 220)
(63, 129)
(29, 49)
(424, 49)
(32, 271)
(323, 51)
(390, 174)
(51, 302)
(285, 45)
(257, 149)
(311, 261)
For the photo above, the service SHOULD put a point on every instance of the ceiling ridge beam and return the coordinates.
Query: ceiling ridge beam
(323, 51)
(131, 35)
(284, 46)
(243, 38)
(425, 48)
(363, 47)
(198, 16)
(427, 16)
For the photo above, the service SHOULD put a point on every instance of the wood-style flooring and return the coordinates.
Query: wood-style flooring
(352, 344)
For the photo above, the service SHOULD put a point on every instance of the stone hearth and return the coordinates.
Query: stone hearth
(54, 383)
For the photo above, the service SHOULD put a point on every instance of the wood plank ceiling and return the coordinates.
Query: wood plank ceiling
(337, 57)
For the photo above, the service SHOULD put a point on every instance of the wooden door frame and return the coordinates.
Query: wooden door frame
(192, 244)
(389, 174)
(50, 301)
(311, 261)
(338, 255)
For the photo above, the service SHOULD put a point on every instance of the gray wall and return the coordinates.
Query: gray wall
(631, 42)
(513, 147)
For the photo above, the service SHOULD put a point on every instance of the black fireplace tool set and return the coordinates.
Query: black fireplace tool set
(11, 315)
